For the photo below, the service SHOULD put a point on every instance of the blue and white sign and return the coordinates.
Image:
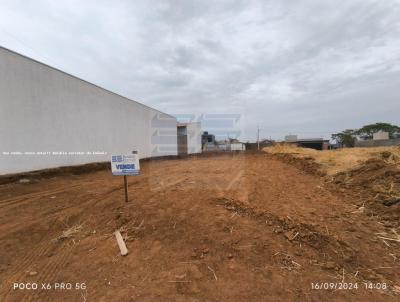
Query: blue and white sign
(125, 164)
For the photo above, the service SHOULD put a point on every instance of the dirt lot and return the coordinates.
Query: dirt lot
(247, 227)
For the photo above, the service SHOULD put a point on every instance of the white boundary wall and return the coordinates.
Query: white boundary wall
(237, 147)
(43, 109)
(194, 133)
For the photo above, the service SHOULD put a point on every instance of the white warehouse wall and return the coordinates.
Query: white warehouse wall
(194, 133)
(43, 109)
(237, 147)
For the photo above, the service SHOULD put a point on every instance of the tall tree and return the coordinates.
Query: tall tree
(345, 138)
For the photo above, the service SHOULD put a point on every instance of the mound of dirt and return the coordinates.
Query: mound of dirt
(376, 182)
(306, 163)
(380, 179)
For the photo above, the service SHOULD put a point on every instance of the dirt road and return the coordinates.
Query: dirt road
(227, 228)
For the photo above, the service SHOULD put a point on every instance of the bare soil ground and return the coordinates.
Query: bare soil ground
(371, 175)
(246, 227)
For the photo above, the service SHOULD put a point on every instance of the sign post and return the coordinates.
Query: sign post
(126, 188)
(125, 165)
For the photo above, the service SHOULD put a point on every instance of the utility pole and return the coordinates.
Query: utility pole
(258, 137)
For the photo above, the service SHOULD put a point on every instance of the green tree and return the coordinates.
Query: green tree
(367, 131)
(346, 138)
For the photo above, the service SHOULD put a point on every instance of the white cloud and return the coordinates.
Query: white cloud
(290, 66)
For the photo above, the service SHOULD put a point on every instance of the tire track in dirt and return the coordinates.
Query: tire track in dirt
(32, 197)
(46, 273)
(88, 202)
(293, 231)
(41, 250)
(50, 271)
(19, 273)
(35, 196)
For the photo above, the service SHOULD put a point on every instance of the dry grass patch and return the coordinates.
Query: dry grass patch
(341, 160)
(70, 232)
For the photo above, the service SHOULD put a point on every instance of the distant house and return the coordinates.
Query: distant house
(380, 135)
(313, 143)
(189, 138)
(263, 143)
(379, 139)
(210, 144)
(237, 146)
(207, 141)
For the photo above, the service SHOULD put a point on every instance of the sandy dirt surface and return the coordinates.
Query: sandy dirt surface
(245, 227)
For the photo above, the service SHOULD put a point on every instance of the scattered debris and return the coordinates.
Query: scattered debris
(391, 201)
(121, 243)
(215, 276)
(360, 210)
(329, 265)
(69, 232)
(290, 235)
(285, 261)
(391, 239)
(385, 237)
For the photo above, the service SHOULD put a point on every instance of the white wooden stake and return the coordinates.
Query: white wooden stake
(121, 243)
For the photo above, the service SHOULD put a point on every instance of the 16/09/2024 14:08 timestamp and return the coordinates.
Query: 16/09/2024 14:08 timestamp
(348, 286)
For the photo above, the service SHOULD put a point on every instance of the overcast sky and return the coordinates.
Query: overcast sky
(301, 67)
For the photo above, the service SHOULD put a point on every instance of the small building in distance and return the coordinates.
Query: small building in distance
(189, 138)
(210, 144)
(208, 141)
(263, 144)
(313, 143)
(379, 139)
(230, 145)
(290, 138)
(380, 135)
(237, 146)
